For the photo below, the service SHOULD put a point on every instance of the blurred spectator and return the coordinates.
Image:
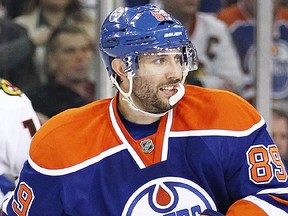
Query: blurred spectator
(229, 2)
(14, 58)
(211, 6)
(69, 56)
(214, 6)
(16, 52)
(89, 4)
(51, 14)
(284, 3)
(241, 21)
(219, 65)
(3, 10)
(15, 7)
(280, 133)
(18, 124)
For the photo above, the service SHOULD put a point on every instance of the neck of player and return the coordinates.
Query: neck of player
(133, 115)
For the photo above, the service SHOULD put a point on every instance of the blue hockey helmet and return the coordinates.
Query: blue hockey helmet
(128, 32)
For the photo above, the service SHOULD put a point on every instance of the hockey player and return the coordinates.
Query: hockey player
(18, 124)
(158, 147)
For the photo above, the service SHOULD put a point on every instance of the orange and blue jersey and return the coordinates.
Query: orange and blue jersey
(243, 30)
(211, 151)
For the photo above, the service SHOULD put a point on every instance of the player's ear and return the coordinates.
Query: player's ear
(117, 66)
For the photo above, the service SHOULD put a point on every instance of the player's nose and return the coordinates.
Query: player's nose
(174, 68)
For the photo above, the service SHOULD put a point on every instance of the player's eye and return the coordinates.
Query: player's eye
(160, 60)
(178, 59)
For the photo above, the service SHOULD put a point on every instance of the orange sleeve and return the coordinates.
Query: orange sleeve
(230, 15)
(244, 207)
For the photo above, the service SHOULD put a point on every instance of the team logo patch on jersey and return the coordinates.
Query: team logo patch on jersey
(169, 196)
(8, 88)
(147, 146)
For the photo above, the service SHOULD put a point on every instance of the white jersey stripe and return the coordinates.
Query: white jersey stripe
(58, 172)
(123, 139)
(274, 191)
(165, 141)
(265, 206)
(218, 132)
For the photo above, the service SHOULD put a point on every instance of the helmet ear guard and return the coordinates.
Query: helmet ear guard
(190, 57)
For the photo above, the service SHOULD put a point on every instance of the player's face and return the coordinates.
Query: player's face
(156, 81)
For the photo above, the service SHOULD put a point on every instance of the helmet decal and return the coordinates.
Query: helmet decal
(116, 14)
(161, 15)
(172, 34)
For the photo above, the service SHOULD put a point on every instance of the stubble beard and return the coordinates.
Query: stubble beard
(147, 99)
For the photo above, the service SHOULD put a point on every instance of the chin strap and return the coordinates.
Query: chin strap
(179, 94)
(127, 95)
(180, 91)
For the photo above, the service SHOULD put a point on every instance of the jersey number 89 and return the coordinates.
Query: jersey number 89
(264, 164)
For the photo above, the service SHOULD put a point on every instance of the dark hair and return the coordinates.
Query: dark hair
(52, 43)
(74, 9)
